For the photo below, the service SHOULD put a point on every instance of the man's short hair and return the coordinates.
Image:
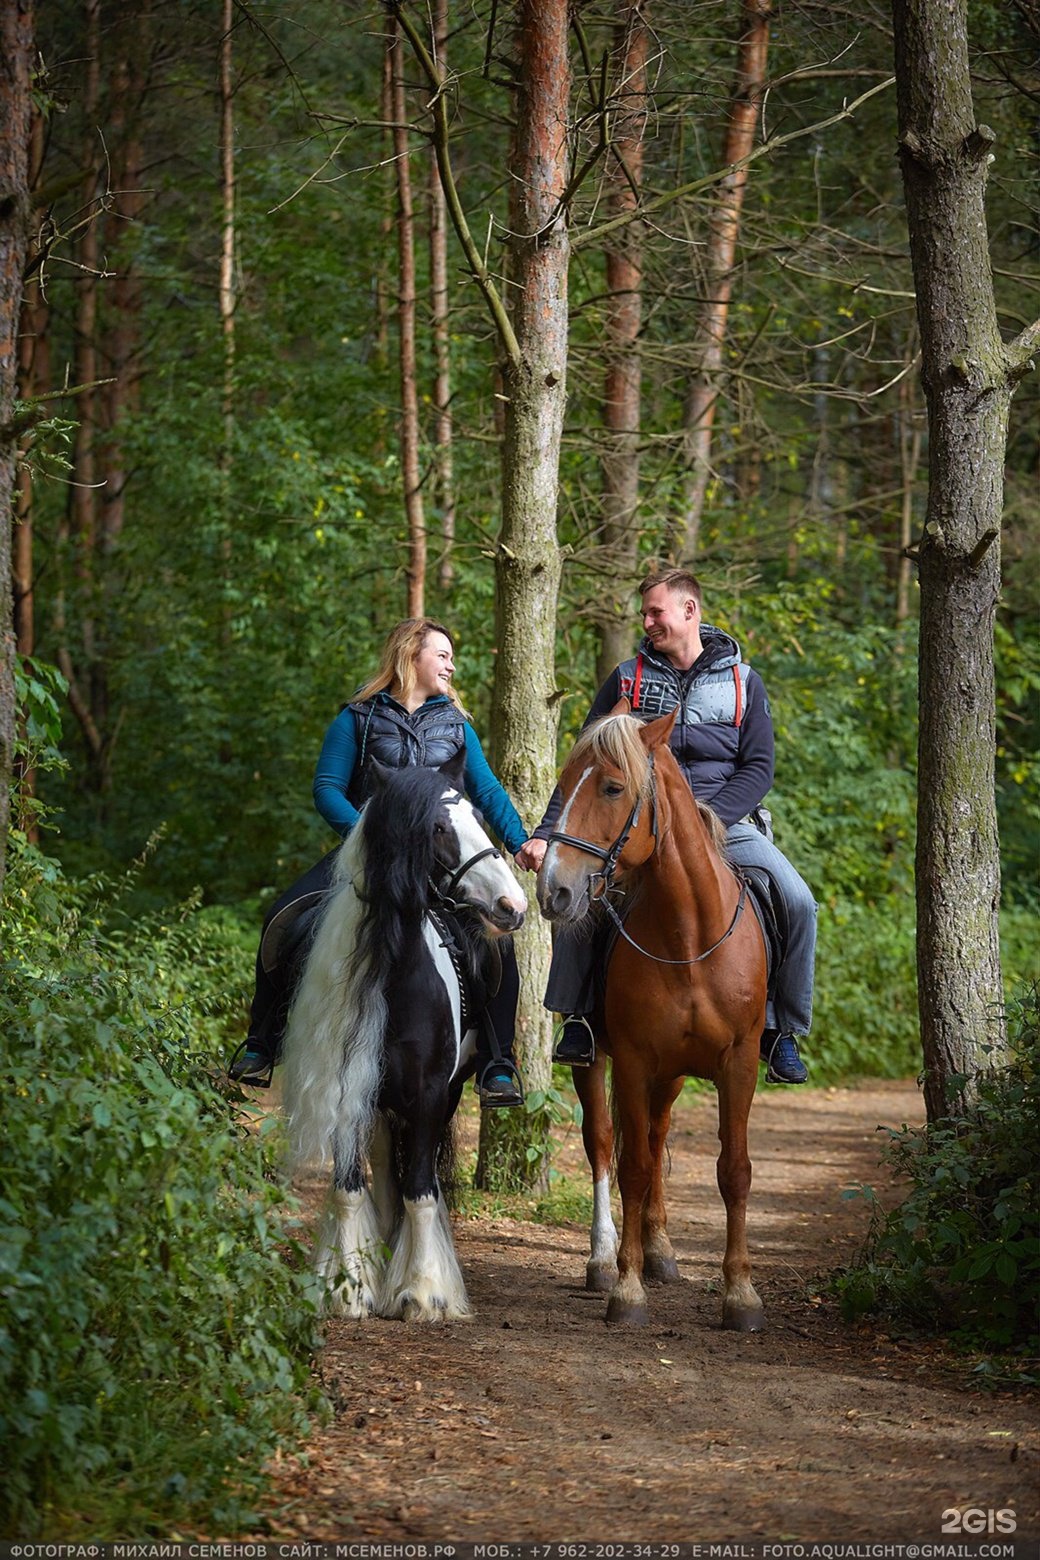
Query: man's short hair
(681, 581)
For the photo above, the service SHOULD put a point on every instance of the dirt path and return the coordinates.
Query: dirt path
(535, 1422)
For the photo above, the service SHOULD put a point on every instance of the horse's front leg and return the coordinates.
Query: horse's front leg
(741, 1307)
(424, 1282)
(351, 1250)
(627, 1304)
(597, 1134)
(659, 1264)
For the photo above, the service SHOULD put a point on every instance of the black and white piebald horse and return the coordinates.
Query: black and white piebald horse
(378, 1047)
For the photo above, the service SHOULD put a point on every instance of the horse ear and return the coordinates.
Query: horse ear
(622, 707)
(454, 770)
(377, 775)
(656, 732)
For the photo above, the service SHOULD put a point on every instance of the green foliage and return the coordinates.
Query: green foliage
(961, 1254)
(155, 1322)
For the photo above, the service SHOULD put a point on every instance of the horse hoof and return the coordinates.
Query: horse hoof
(600, 1279)
(660, 1270)
(627, 1313)
(746, 1319)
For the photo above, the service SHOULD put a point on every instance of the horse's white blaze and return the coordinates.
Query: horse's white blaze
(351, 1254)
(424, 1282)
(555, 873)
(489, 880)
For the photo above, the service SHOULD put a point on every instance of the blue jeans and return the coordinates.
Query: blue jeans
(571, 984)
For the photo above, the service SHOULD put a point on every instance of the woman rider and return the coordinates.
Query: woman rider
(407, 714)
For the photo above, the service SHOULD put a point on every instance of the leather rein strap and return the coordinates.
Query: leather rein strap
(610, 859)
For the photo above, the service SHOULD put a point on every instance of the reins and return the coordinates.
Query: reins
(610, 859)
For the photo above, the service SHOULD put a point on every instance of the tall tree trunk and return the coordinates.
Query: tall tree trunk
(120, 343)
(527, 566)
(723, 232)
(33, 376)
(443, 462)
(410, 472)
(969, 377)
(77, 535)
(16, 69)
(533, 339)
(624, 257)
(226, 303)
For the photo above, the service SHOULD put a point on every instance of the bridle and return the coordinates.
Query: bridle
(445, 895)
(612, 855)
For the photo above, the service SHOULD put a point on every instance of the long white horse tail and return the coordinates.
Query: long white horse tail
(334, 1037)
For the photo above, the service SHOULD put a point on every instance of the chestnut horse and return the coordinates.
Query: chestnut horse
(685, 996)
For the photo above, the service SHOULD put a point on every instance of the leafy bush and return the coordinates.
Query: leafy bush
(961, 1253)
(155, 1324)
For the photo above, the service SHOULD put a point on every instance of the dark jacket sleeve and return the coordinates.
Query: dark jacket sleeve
(602, 704)
(753, 774)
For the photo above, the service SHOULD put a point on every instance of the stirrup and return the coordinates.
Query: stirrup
(249, 1077)
(574, 1050)
(489, 1101)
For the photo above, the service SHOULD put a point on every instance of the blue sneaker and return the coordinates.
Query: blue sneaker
(780, 1054)
(499, 1086)
(251, 1066)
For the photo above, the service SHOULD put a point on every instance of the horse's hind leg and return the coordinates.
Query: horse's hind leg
(741, 1307)
(659, 1264)
(351, 1250)
(597, 1134)
(424, 1282)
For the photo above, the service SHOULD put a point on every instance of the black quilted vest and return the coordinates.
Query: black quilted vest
(429, 737)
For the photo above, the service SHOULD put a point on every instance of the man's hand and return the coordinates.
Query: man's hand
(530, 855)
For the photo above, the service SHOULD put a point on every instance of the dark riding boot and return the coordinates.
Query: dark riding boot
(783, 1063)
(498, 1085)
(251, 1066)
(575, 1043)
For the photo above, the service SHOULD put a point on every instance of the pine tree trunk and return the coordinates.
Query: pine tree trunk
(969, 377)
(410, 472)
(527, 569)
(16, 53)
(33, 378)
(622, 391)
(723, 232)
(443, 470)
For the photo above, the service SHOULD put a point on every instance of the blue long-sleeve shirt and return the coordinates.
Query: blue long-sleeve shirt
(338, 761)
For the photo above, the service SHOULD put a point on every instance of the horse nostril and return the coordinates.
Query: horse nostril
(511, 912)
(560, 900)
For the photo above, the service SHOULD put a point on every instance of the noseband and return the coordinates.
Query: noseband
(446, 896)
(610, 859)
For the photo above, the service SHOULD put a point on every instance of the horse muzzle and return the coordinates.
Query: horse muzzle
(506, 917)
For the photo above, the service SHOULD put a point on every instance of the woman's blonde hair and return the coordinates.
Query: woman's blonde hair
(400, 652)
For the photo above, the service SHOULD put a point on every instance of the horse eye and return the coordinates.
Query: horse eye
(612, 789)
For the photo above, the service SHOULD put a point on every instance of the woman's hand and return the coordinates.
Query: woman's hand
(530, 855)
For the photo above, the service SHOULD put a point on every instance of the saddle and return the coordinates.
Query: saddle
(770, 907)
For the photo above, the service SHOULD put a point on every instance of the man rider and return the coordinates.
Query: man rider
(723, 741)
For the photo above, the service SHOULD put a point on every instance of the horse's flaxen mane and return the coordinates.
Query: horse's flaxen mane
(615, 740)
(714, 825)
